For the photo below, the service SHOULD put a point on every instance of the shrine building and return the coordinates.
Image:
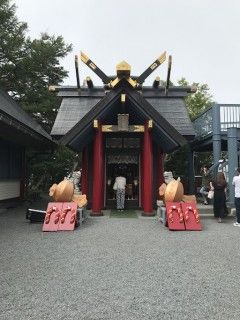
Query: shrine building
(123, 126)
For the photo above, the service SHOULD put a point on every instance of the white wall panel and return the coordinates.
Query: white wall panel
(9, 189)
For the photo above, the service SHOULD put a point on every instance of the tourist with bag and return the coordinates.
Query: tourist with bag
(210, 194)
(219, 200)
(206, 181)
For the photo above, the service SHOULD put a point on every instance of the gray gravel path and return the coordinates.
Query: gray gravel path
(118, 269)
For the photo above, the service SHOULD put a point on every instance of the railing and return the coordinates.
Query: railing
(229, 116)
(203, 124)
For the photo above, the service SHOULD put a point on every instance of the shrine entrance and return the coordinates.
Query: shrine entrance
(123, 156)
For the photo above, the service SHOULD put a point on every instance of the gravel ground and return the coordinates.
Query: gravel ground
(118, 269)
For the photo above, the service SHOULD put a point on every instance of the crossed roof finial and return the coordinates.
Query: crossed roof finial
(123, 70)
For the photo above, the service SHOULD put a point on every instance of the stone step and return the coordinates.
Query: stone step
(205, 209)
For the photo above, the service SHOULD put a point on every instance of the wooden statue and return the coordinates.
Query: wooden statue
(162, 190)
(174, 191)
(62, 192)
(80, 199)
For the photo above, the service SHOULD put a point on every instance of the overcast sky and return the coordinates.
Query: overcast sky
(203, 36)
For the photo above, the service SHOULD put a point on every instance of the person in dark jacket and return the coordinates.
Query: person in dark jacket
(219, 200)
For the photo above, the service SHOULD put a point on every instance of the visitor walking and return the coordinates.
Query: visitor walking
(206, 184)
(219, 200)
(236, 183)
(119, 186)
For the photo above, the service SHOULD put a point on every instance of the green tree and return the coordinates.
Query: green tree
(46, 169)
(196, 103)
(199, 101)
(28, 67)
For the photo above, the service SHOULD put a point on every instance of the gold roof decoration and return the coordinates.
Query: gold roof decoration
(123, 68)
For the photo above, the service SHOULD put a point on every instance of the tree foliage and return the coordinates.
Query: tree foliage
(196, 103)
(28, 67)
(46, 169)
(199, 101)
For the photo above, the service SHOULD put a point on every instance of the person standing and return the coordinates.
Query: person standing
(236, 183)
(119, 186)
(206, 184)
(219, 200)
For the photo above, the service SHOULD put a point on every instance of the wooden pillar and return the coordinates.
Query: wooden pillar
(84, 175)
(23, 179)
(142, 181)
(160, 169)
(147, 172)
(97, 194)
(104, 178)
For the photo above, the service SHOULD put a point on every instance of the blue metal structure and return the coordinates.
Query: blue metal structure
(217, 130)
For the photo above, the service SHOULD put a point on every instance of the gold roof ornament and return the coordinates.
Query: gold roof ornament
(123, 69)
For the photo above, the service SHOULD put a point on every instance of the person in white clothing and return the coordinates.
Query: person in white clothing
(236, 183)
(119, 186)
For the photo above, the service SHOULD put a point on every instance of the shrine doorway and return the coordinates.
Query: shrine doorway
(125, 161)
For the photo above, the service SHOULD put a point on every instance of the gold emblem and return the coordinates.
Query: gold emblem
(92, 65)
(123, 97)
(150, 124)
(153, 66)
(138, 128)
(107, 128)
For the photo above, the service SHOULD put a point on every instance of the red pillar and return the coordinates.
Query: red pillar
(97, 193)
(84, 175)
(142, 181)
(160, 169)
(147, 172)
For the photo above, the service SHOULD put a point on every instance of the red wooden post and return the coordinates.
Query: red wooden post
(84, 175)
(97, 193)
(147, 172)
(160, 169)
(142, 180)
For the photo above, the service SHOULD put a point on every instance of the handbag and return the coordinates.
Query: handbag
(210, 194)
(115, 186)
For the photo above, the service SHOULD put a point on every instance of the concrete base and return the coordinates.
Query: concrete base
(96, 214)
(148, 214)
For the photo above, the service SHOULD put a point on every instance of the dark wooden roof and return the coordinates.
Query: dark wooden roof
(78, 110)
(75, 106)
(17, 126)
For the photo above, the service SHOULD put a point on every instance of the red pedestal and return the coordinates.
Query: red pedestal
(175, 217)
(97, 193)
(68, 217)
(191, 216)
(84, 175)
(52, 217)
(147, 173)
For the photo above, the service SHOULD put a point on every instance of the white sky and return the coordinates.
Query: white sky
(203, 37)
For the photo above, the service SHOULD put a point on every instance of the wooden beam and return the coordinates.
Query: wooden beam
(168, 74)
(77, 72)
(151, 68)
(94, 68)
